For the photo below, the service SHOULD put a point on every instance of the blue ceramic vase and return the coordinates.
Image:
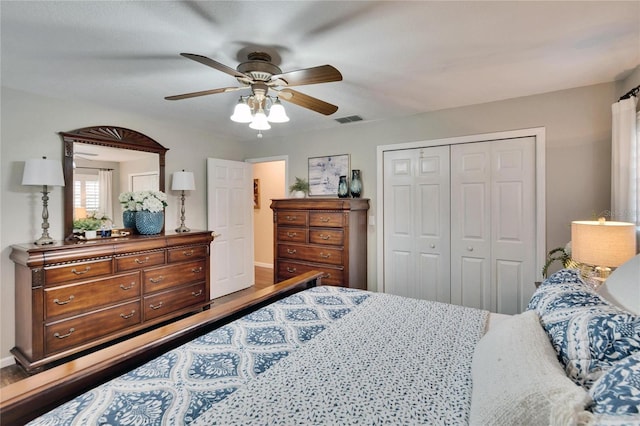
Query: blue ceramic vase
(149, 223)
(129, 219)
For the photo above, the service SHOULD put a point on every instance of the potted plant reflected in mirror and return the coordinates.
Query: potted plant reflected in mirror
(88, 225)
(300, 188)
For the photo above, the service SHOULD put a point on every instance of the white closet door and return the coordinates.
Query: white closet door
(493, 224)
(416, 199)
(471, 225)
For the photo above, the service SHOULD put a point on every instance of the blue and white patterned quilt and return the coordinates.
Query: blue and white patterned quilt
(324, 355)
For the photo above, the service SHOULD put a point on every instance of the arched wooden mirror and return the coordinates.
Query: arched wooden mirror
(102, 157)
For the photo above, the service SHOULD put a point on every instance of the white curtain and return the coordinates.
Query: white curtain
(625, 161)
(106, 192)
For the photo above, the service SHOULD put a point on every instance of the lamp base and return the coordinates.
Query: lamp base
(183, 228)
(44, 240)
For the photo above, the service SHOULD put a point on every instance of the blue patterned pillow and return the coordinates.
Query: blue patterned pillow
(590, 339)
(617, 392)
(564, 290)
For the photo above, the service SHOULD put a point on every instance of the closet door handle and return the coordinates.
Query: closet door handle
(469, 248)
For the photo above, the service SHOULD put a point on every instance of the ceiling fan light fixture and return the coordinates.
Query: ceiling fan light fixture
(277, 114)
(260, 121)
(242, 112)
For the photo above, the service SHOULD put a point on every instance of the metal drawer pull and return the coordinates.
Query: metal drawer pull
(188, 253)
(141, 262)
(327, 275)
(58, 302)
(291, 270)
(156, 280)
(194, 294)
(86, 269)
(291, 251)
(291, 234)
(325, 237)
(291, 218)
(128, 316)
(62, 336)
(158, 306)
(130, 286)
(324, 219)
(197, 270)
(325, 256)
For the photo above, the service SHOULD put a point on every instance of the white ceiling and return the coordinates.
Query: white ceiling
(397, 58)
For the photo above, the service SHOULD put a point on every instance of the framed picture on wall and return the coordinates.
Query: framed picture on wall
(256, 193)
(325, 172)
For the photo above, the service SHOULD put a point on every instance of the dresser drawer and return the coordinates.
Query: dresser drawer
(328, 255)
(165, 277)
(292, 235)
(83, 329)
(187, 253)
(334, 237)
(77, 271)
(331, 219)
(89, 295)
(169, 301)
(139, 261)
(332, 276)
(292, 218)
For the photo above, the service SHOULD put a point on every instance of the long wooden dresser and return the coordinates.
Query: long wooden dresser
(71, 297)
(324, 234)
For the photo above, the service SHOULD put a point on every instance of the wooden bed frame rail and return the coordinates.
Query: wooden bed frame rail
(27, 399)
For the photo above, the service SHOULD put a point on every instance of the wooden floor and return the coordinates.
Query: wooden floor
(264, 278)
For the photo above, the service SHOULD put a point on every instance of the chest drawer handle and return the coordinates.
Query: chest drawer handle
(194, 294)
(86, 269)
(122, 286)
(62, 336)
(291, 251)
(187, 253)
(58, 302)
(327, 275)
(125, 316)
(141, 262)
(291, 218)
(156, 280)
(324, 219)
(291, 234)
(325, 237)
(325, 256)
(196, 270)
(291, 270)
(158, 306)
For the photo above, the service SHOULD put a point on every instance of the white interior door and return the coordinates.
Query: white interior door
(230, 217)
(416, 194)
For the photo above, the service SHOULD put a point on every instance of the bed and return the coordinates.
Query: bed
(334, 355)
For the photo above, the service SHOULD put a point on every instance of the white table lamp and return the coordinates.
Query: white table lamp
(602, 244)
(183, 181)
(45, 173)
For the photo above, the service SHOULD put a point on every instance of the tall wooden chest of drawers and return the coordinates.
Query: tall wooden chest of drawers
(325, 234)
(71, 297)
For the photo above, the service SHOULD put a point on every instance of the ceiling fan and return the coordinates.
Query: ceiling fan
(260, 75)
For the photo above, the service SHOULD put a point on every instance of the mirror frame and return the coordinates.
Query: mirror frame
(111, 136)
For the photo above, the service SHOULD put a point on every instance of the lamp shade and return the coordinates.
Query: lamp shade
(183, 181)
(40, 171)
(602, 243)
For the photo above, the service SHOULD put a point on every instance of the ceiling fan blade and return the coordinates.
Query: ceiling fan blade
(203, 93)
(321, 74)
(307, 101)
(216, 65)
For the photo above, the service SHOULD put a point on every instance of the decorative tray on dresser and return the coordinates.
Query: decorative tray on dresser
(324, 234)
(71, 297)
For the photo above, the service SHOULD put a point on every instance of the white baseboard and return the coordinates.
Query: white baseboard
(263, 265)
(6, 362)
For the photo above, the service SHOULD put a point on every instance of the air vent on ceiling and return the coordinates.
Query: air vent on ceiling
(349, 119)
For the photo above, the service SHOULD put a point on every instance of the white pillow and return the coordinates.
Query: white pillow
(518, 380)
(622, 288)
